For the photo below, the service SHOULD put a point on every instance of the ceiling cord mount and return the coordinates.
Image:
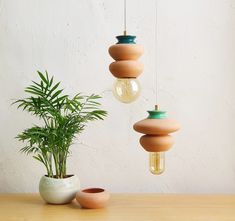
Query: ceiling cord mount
(124, 17)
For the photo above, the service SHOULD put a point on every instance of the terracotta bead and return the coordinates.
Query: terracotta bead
(126, 51)
(153, 143)
(156, 126)
(126, 69)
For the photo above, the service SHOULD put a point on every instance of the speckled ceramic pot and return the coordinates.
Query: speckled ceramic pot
(59, 191)
(93, 198)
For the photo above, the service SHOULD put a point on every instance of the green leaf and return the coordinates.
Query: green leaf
(56, 94)
(56, 86)
(47, 76)
(37, 84)
(60, 99)
(34, 91)
(40, 159)
(51, 81)
(42, 77)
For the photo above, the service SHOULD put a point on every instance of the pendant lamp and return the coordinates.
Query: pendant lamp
(126, 67)
(156, 140)
(156, 129)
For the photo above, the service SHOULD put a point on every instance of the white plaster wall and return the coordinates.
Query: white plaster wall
(196, 64)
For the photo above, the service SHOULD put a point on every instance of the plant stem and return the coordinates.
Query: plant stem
(64, 165)
(56, 165)
(50, 165)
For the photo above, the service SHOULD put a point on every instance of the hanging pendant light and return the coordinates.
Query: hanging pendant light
(126, 67)
(156, 139)
(156, 129)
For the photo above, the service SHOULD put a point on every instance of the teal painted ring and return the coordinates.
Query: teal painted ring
(126, 39)
(156, 114)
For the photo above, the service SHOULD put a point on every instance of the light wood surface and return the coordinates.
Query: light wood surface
(122, 207)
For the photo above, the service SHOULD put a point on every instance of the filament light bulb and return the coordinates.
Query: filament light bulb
(126, 90)
(157, 162)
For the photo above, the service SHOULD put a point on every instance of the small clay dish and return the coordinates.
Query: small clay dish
(93, 198)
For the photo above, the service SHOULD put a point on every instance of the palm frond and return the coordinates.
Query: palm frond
(63, 117)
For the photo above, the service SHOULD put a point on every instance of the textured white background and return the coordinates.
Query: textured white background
(196, 64)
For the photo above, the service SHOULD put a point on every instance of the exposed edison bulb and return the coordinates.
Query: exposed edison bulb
(126, 90)
(157, 162)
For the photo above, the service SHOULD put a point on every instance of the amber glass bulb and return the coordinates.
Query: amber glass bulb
(157, 162)
(126, 90)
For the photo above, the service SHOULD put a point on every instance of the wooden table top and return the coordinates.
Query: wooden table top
(146, 207)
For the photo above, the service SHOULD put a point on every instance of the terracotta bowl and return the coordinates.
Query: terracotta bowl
(93, 198)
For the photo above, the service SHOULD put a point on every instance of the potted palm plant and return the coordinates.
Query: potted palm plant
(62, 119)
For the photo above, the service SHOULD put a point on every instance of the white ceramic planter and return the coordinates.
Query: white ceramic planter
(59, 191)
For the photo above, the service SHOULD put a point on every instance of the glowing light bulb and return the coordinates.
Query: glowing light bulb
(126, 90)
(157, 162)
